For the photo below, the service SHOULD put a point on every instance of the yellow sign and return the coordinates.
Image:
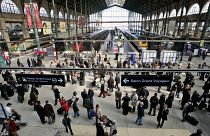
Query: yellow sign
(46, 25)
(62, 26)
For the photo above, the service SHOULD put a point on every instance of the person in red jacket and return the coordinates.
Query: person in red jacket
(62, 101)
(66, 107)
(12, 127)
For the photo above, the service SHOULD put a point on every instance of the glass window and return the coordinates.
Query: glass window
(51, 13)
(184, 12)
(8, 6)
(173, 13)
(194, 9)
(43, 12)
(205, 7)
(161, 15)
(60, 15)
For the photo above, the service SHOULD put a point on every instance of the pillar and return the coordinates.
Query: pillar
(180, 18)
(2, 28)
(75, 17)
(206, 24)
(25, 31)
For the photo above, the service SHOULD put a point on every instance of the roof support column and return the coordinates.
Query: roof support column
(81, 8)
(68, 22)
(75, 16)
(186, 19)
(55, 20)
(180, 18)
(157, 23)
(86, 17)
(206, 24)
(198, 22)
(142, 22)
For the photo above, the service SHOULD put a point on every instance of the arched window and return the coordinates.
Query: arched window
(8, 6)
(179, 12)
(194, 9)
(153, 17)
(60, 15)
(165, 15)
(43, 12)
(205, 8)
(51, 13)
(161, 15)
(173, 13)
(65, 15)
(148, 17)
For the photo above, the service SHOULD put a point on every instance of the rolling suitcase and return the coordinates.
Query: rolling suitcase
(60, 110)
(191, 120)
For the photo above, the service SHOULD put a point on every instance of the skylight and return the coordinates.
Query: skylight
(115, 2)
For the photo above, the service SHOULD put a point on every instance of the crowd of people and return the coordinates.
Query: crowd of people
(108, 82)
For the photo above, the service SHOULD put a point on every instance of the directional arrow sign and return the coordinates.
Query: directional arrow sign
(125, 81)
(146, 80)
(41, 79)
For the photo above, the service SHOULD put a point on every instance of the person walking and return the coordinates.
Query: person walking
(41, 112)
(118, 97)
(75, 99)
(170, 99)
(134, 100)
(162, 100)
(98, 114)
(34, 96)
(56, 94)
(49, 112)
(162, 115)
(110, 84)
(28, 62)
(139, 120)
(18, 63)
(102, 91)
(188, 108)
(125, 104)
(84, 95)
(12, 127)
(153, 104)
(91, 94)
(67, 123)
(117, 80)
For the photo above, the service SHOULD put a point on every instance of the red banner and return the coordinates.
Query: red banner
(36, 14)
(28, 14)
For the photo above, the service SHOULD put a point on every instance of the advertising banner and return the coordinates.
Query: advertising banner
(28, 15)
(36, 14)
(46, 25)
(62, 26)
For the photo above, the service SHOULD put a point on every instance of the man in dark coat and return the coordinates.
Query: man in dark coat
(102, 91)
(21, 93)
(125, 104)
(56, 94)
(84, 95)
(110, 84)
(49, 112)
(117, 80)
(41, 112)
(185, 98)
(67, 123)
(91, 94)
(153, 104)
(162, 100)
(99, 129)
(28, 62)
(162, 115)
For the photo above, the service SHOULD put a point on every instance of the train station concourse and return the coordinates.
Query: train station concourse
(105, 67)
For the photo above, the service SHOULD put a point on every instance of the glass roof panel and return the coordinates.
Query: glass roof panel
(115, 2)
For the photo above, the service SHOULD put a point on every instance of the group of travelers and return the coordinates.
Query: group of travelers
(137, 101)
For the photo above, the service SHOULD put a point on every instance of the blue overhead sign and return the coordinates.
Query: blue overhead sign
(146, 80)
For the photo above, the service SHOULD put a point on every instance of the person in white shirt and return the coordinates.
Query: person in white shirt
(8, 109)
(134, 100)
